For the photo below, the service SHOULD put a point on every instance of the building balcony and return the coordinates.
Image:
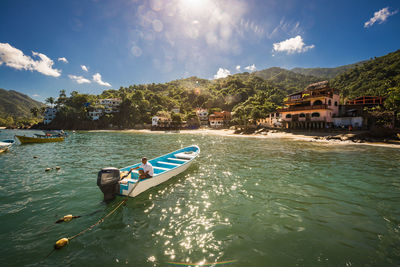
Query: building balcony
(297, 108)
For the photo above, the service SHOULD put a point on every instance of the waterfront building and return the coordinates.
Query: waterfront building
(49, 115)
(315, 107)
(160, 122)
(111, 105)
(96, 114)
(220, 119)
(202, 114)
(353, 113)
(367, 101)
(154, 121)
(272, 120)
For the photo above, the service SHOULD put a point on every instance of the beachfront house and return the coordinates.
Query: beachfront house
(103, 106)
(49, 115)
(353, 113)
(154, 121)
(96, 114)
(313, 108)
(111, 105)
(272, 120)
(161, 122)
(220, 119)
(202, 114)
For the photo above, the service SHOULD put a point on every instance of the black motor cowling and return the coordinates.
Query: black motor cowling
(107, 180)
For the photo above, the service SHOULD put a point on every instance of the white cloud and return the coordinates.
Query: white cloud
(222, 73)
(79, 79)
(15, 58)
(83, 67)
(238, 67)
(63, 59)
(35, 95)
(251, 68)
(379, 16)
(292, 45)
(97, 79)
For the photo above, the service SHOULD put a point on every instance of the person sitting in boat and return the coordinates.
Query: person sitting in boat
(145, 169)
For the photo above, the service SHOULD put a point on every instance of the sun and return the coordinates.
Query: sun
(195, 6)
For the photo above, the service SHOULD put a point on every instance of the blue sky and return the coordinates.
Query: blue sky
(91, 46)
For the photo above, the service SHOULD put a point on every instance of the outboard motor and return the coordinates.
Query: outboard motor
(107, 180)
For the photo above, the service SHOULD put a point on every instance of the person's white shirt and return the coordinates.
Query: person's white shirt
(147, 167)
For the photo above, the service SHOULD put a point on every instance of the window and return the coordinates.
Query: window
(329, 102)
(317, 102)
(294, 97)
(302, 115)
(336, 103)
(288, 116)
(315, 115)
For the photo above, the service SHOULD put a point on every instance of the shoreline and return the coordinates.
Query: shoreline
(309, 136)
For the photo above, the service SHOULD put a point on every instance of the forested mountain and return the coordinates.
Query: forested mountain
(16, 104)
(376, 77)
(326, 73)
(285, 78)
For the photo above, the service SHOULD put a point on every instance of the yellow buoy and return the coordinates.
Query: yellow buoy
(61, 243)
(68, 217)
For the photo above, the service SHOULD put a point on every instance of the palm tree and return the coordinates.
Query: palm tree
(50, 100)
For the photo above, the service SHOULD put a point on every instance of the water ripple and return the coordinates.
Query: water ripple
(280, 202)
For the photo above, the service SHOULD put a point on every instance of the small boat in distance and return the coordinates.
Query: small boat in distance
(165, 167)
(58, 133)
(6, 144)
(39, 139)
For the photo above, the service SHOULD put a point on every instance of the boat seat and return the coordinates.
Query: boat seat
(184, 160)
(168, 163)
(160, 168)
(184, 155)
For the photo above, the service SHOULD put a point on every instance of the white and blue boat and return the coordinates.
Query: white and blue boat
(6, 144)
(165, 167)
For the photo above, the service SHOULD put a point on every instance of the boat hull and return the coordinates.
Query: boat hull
(29, 140)
(5, 145)
(152, 182)
(143, 185)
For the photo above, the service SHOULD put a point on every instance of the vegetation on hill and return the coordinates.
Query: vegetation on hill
(326, 73)
(15, 108)
(247, 95)
(376, 77)
(285, 78)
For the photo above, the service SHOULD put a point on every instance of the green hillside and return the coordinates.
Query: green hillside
(16, 104)
(374, 78)
(326, 73)
(286, 78)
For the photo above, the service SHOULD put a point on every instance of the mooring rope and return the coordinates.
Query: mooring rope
(64, 241)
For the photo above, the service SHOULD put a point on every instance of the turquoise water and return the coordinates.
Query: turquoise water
(258, 202)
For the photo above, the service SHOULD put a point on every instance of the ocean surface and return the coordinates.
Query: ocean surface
(244, 201)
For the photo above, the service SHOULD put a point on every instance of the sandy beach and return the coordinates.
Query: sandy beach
(309, 136)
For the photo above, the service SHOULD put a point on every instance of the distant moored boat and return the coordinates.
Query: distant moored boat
(6, 144)
(39, 139)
